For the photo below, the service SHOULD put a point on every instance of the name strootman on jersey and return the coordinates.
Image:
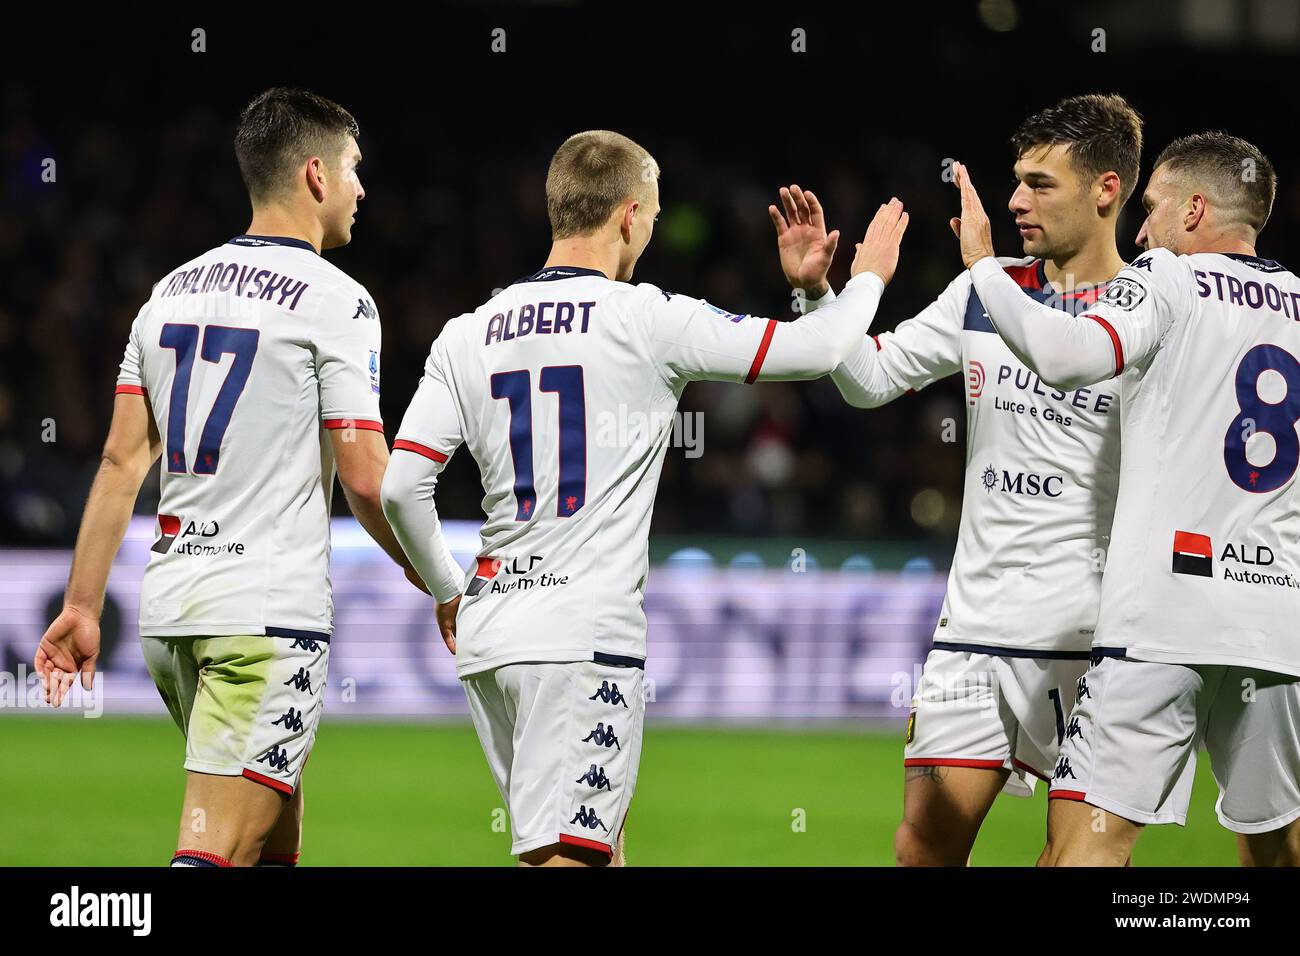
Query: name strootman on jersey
(1204, 567)
(250, 357)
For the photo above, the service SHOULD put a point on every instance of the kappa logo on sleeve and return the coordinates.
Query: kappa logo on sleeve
(1124, 293)
(1193, 554)
(734, 317)
(365, 310)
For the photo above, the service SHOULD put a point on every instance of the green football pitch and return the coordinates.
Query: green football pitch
(78, 792)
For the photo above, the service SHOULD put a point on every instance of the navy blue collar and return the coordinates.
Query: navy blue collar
(1263, 265)
(247, 240)
(551, 273)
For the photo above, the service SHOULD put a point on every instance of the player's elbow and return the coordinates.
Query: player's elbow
(393, 492)
(1064, 372)
(364, 485)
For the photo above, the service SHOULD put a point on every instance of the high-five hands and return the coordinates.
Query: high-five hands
(972, 228)
(878, 250)
(806, 250)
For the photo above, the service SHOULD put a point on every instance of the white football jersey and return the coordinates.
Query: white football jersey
(1204, 566)
(1042, 468)
(246, 355)
(564, 387)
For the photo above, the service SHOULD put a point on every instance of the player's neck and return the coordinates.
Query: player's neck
(278, 221)
(1223, 244)
(1093, 264)
(584, 252)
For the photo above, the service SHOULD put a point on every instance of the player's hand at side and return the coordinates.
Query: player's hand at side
(70, 646)
(878, 250)
(447, 622)
(805, 249)
(972, 229)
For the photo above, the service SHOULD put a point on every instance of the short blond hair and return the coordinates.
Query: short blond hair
(590, 174)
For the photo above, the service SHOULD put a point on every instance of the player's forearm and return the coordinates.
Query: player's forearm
(103, 526)
(409, 506)
(1066, 351)
(813, 345)
(368, 508)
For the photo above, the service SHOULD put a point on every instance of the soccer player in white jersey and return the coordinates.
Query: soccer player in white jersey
(551, 636)
(254, 371)
(1196, 643)
(1012, 638)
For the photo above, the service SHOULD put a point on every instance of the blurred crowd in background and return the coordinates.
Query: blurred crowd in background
(452, 213)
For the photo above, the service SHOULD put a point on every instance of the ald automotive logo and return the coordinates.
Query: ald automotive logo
(1025, 483)
(1254, 563)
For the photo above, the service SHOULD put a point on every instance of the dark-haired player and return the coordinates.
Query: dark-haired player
(1012, 638)
(1196, 642)
(253, 370)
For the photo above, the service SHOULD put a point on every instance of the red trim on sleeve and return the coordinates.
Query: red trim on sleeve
(1066, 795)
(364, 424)
(280, 785)
(592, 844)
(403, 444)
(131, 390)
(762, 352)
(876, 339)
(1114, 340)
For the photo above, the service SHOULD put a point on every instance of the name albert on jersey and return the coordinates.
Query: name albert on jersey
(246, 356)
(525, 382)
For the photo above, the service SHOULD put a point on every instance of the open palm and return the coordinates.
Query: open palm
(805, 248)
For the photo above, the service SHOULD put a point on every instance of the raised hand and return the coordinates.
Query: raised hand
(70, 646)
(878, 250)
(805, 249)
(972, 228)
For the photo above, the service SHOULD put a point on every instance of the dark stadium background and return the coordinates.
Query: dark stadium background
(456, 141)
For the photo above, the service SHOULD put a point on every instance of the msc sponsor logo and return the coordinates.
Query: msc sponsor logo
(1025, 483)
(503, 575)
(974, 381)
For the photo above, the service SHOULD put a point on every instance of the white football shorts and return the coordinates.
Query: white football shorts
(992, 711)
(1130, 746)
(563, 741)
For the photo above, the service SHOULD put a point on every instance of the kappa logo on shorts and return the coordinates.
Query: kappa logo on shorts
(1193, 554)
(602, 737)
(1063, 770)
(300, 680)
(595, 777)
(609, 694)
(1074, 730)
(276, 758)
(304, 643)
(291, 720)
(1082, 691)
(587, 818)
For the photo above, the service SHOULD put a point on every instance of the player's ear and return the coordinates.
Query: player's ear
(629, 216)
(1110, 190)
(1194, 211)
(315, 175)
